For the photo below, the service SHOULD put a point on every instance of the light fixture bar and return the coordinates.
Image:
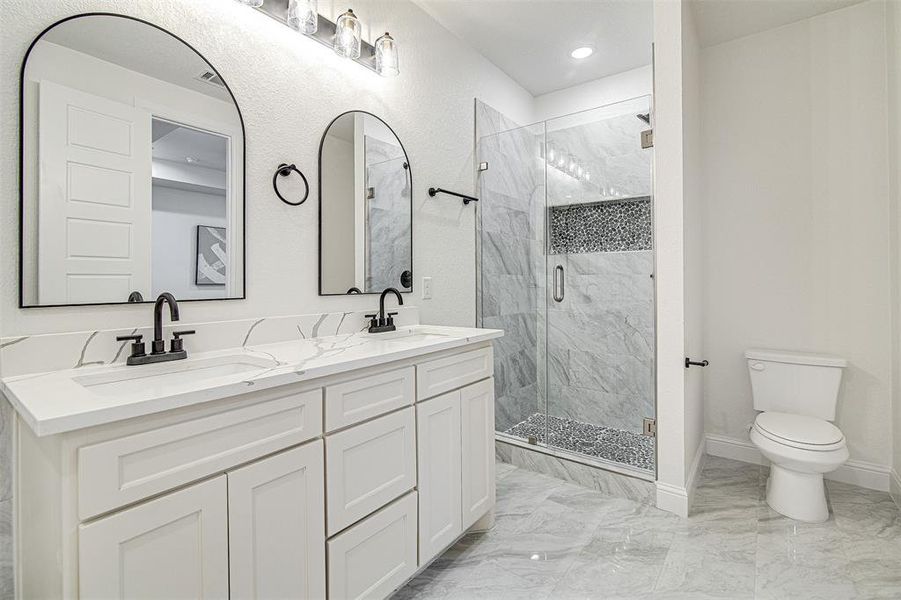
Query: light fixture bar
(325, 35)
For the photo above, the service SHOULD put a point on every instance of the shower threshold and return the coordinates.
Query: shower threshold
(593, 441)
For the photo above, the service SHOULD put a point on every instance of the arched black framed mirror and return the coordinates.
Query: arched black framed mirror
(132, 168)
(365, 208)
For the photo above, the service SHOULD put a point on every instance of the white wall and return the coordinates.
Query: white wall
(176, 215)
(796, 202)
(289, 89)
(607, 90)
(893, 55)
(672, 471)
(693, 212)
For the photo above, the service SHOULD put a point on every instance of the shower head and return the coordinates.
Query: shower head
(646, 117)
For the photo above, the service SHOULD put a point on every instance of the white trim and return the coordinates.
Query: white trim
(856, 472)
(895, 487)
(694, 472)
(672, 498)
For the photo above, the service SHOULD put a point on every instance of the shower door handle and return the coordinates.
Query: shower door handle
(559, 283)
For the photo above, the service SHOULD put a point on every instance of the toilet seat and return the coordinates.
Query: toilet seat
(799, 431)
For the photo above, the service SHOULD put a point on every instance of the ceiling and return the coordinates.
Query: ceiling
(137, 47)
(530, 40)
(719, 21)
(175, 143)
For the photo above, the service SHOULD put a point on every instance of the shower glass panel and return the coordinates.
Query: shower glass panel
(511, 283)
(566, 270)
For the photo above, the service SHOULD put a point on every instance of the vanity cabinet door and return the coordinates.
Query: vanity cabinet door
(438, 439)
(173, 547)
(477, 413)
(276, 517)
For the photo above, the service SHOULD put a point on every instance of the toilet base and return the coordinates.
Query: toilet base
(799, 496)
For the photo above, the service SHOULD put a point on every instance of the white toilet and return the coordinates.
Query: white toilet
(797, 393)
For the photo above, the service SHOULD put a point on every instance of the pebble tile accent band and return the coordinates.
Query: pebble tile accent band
(610, 226)
(620, 446)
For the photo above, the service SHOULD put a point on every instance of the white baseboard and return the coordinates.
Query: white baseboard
(856, 472)
(895, 487)
(672, 499)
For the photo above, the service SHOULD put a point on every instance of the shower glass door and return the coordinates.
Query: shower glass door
(600, 286)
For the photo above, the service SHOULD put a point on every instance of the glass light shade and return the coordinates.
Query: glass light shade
(348, 35)
(571, 167)
(386, 56)
(252, 3)
(303, 15)
(588, 176)
(551, 154)
(561, 160)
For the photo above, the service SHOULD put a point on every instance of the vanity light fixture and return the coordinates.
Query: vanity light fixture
(303, 15)
(348, 35)
(386, 56)
(582, 52)
(345, 36)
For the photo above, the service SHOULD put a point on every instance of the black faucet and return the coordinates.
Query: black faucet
(158, 347)
(384, 322)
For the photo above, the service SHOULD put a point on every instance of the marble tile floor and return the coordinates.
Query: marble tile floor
(555, 540)
(617, 445)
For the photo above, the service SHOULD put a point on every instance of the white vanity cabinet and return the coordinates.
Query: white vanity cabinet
(338, 487)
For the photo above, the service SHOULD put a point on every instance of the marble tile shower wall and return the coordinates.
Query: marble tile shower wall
(512, 256)
(389, 215)
(601, 340)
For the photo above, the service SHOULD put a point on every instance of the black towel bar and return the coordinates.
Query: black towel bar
(466, 199)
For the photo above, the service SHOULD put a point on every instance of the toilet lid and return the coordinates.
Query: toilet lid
(798, 429)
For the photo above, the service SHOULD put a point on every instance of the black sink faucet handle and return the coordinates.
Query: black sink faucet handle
(178, 344)
(137, 346)
(389, 318)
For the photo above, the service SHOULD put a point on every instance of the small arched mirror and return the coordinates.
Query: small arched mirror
(132, 168)
(365, 208)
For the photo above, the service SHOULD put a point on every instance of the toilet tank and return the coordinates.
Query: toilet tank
(795, 382)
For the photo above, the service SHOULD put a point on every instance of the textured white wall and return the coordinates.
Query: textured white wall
(693, 239)
(289, 89)
(893, 55)
(797, 207)
(668, 206)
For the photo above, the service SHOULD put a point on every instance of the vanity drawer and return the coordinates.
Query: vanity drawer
(368, 466)
(353, 401)
(451, 372)
(376, 555)
(127, 469)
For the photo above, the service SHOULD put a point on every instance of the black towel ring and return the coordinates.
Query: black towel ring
(285, 170)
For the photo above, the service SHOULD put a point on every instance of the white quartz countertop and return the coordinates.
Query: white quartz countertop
(61, 401)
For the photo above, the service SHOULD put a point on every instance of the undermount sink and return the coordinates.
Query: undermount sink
(411, 334)
(124, 380)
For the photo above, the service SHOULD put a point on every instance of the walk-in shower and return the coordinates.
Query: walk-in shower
(566, 269)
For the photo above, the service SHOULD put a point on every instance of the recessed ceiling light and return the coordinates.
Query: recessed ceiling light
(582, 52)
(191, 160)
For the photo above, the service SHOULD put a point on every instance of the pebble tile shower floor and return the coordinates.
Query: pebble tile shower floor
(624, 447)
(558, 541)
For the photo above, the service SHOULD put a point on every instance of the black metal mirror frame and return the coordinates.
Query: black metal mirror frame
(319, 181)
(22, 167)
